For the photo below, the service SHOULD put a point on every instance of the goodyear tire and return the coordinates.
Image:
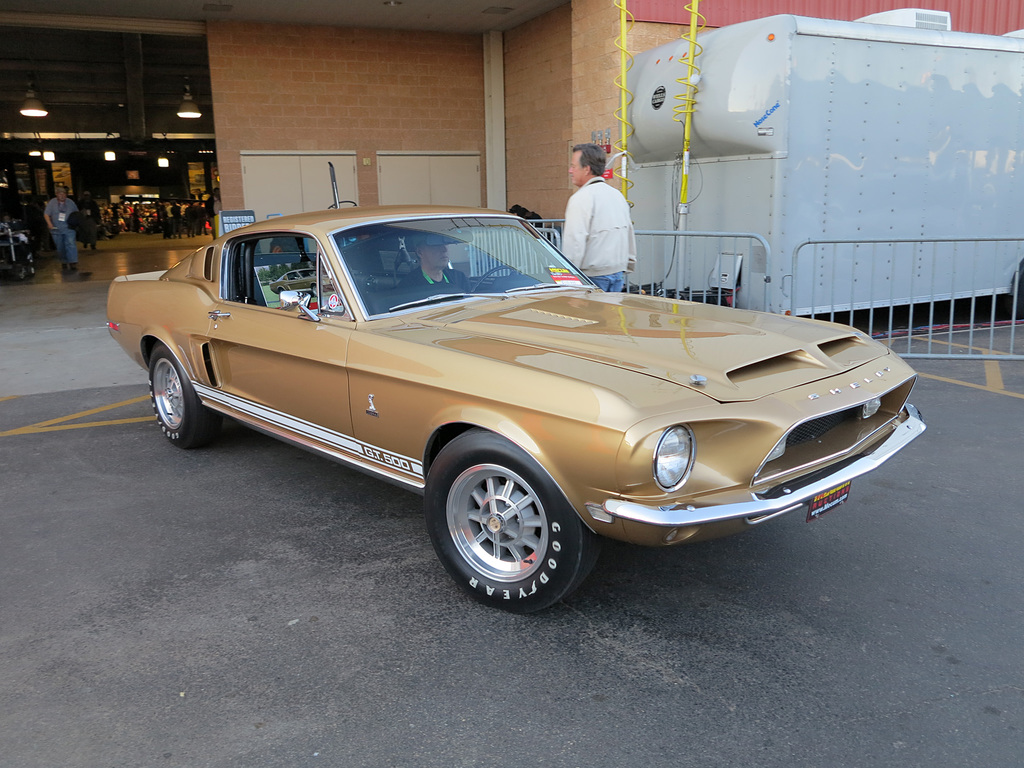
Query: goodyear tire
(501, 526)
(184, 420)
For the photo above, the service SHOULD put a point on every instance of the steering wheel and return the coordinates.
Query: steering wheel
(493, 275)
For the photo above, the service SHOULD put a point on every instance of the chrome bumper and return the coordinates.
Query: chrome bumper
(759, 509)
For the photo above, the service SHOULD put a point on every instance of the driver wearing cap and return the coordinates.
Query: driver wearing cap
(435, 270)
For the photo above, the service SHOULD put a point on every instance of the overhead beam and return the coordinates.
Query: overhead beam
(103, 23)
(136, 102)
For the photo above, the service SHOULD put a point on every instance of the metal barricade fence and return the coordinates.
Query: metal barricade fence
(692, 265)
(712, 267)
(925, 298)
(550, 229)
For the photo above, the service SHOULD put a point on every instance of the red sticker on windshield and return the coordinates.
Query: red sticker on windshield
(562, 275)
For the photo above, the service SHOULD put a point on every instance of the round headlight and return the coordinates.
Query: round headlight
(673, 457)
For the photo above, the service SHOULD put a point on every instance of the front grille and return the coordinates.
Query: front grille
(815, 428)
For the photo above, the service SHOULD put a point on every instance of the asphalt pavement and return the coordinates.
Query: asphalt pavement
(250, 604)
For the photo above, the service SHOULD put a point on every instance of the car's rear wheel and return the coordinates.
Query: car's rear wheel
(501, 526)
(182, 417)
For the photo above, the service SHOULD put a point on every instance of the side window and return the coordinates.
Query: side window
(259, 268)
(282, 263)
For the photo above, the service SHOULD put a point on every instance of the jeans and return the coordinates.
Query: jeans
(67, 248)
(610, 283)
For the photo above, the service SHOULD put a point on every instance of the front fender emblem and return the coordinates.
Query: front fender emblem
(372, 409)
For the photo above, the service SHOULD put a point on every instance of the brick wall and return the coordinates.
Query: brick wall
(322, 88)
(278, 87)
(538, 113)
(595, 64)
(560, 71)
(645, 36)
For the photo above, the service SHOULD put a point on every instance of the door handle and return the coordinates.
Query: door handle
(217, 314)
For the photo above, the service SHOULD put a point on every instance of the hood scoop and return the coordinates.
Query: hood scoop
(797, 360)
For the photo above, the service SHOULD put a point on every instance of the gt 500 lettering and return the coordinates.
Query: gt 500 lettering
(386, 458)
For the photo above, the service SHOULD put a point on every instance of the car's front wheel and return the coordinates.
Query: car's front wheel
(502, 528)
(182, 417)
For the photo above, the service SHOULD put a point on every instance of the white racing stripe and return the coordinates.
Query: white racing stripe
(405, 469)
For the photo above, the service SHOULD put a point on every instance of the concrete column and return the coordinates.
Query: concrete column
(494, 119)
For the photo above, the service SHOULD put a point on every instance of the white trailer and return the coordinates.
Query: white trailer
(882, 164)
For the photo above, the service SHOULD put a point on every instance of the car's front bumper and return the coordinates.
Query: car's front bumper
(760, 507)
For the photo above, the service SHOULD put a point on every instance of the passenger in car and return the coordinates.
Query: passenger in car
(432, 250)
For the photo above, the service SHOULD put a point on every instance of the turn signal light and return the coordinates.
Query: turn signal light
(870, 408)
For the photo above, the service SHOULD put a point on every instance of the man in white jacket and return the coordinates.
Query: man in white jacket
(598, 233)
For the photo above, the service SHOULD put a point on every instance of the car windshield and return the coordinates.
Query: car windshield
(398, 265)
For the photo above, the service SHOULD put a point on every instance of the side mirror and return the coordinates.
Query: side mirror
(301, 300)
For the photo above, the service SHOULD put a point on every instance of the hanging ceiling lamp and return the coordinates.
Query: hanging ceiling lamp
(32, 106)
(188, 108)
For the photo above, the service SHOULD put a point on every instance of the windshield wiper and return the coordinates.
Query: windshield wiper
(438, 298)
(544, 286)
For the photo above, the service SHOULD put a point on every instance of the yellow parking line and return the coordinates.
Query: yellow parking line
(91, 411)
(993, 371)
(54, 425)
(983, 387)
(994, 374)
(35, 430)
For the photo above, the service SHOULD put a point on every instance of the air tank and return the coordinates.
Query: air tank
(741, 87)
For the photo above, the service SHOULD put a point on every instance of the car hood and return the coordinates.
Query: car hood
(728, 354)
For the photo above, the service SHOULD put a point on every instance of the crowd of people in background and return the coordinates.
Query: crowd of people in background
(172, 218)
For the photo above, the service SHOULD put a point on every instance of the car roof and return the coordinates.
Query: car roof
(331, 220)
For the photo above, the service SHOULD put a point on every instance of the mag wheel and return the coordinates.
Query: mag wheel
(182, 417)
(501, 526)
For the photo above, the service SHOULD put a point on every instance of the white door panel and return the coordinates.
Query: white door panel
(425, 179)
(404, 179)
(285, 183)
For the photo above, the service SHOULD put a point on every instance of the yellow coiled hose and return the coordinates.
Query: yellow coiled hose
(625, 99)
(686, 100)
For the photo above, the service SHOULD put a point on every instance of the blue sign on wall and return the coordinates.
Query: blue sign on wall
(231, 220)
